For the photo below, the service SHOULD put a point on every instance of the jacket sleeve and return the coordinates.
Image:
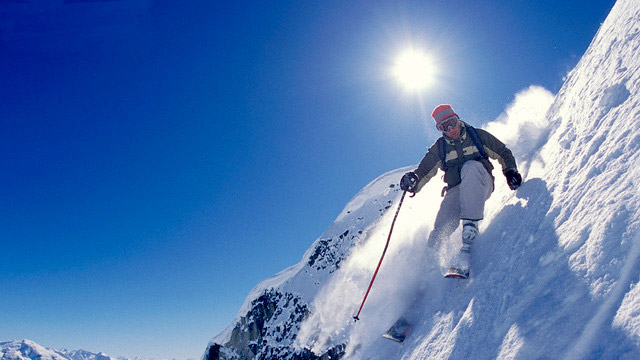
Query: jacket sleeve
(429, 166)
(496, 149)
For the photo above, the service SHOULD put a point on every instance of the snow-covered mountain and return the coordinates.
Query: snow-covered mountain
(85, 355)
(555, 269)
(29, 350)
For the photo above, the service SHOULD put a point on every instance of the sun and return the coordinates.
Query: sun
(414, 70)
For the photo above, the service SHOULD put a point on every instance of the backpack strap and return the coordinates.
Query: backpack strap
(473, 133)
(442, 149)
(476, 140)
(443, 153)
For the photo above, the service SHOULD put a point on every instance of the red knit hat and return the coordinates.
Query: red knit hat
(442, 112)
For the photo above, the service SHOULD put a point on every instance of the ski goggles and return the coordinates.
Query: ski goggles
(448, 124)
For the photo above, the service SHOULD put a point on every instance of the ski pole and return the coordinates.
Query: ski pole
(357, 317)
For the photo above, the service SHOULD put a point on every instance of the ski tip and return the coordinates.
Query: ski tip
(454, 273)
(455, 276)
(396, 339)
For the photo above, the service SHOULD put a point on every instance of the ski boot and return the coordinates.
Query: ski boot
(469, 231)
(460, 269)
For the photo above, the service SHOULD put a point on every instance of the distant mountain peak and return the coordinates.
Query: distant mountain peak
(29, 350)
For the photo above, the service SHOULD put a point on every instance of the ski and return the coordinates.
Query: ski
(455, 273)
(401, 329)
(398, 331)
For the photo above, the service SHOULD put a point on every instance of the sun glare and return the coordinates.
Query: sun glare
(414, 70)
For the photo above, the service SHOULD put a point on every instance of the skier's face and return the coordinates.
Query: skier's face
(454, 133)
(450, 127)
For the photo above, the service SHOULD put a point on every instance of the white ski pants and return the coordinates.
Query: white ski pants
(464, 201)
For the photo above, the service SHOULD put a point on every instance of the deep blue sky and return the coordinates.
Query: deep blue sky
(159, 159)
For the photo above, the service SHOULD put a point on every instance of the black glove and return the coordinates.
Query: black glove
(409, 182)
(514, 179)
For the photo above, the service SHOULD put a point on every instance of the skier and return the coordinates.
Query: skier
(462, 153)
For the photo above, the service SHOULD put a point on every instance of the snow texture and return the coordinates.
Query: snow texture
(556, 266)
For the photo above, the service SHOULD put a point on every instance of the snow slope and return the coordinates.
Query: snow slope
(556, 266)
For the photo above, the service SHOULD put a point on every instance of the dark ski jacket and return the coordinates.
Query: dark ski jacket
(458, 152)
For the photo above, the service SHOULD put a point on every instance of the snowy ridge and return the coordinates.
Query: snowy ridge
(86, 355)
(302, 282)
(29, 350)
(556, 267)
